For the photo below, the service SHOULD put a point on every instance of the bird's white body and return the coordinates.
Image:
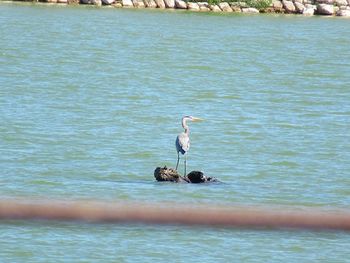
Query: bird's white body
(182, 142)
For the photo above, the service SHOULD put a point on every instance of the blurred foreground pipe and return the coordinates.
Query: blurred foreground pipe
(205, 215)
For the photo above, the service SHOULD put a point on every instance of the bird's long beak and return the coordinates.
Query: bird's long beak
(197, 119)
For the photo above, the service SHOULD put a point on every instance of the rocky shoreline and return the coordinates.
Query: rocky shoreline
(303, 7)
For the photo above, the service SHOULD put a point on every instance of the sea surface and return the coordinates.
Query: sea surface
(91, 101)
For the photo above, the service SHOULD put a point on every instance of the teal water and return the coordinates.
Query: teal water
(91, 101)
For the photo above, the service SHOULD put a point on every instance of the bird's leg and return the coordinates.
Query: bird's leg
(185, 164)
(178, 158)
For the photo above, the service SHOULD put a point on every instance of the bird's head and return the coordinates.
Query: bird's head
(191, 118)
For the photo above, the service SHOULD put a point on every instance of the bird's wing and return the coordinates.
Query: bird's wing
(182, 143)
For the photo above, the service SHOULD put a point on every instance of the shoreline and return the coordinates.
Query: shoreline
(299, 7)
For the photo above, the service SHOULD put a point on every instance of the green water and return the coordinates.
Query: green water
(91, 101)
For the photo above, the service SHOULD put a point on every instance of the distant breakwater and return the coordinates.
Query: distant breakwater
(303, 7)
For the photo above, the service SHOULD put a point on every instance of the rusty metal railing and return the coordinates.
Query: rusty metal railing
(194, 215)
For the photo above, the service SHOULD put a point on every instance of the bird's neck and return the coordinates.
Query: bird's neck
(184, 125)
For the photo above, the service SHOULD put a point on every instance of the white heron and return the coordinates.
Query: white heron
(182, 142)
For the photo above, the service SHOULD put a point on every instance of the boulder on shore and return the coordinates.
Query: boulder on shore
(215, 8)
(160, 3)
(150, 3)
(288, 6)
(127, 3)
(328, 2)
(324, 9)
(108, 2)
(343, 12)
(169, 3)
(192, 6)
(180, 4)
(250, 10)
(203, 6)
(91, 2)
(138, 3)
(299, 7)
(236, 9)
(309, 11)
(224, 6)
(277, 6)
(341, 2)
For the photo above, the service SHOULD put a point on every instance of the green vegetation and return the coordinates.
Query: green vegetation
(258, 4)
(213, 2)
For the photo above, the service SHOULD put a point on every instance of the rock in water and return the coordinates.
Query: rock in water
(168, 174)
(171, 175)
(197, 177)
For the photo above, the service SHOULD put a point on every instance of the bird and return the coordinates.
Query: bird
(182, 142)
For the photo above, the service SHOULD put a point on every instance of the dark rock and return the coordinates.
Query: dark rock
(168, 174)
(171, 175)
(196, 177)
